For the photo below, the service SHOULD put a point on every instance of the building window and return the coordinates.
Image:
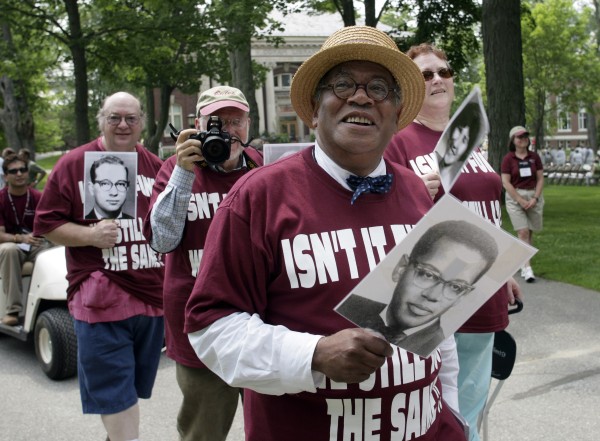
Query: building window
(282, 81)
(582, 120)
(564, 120)
(175, 118)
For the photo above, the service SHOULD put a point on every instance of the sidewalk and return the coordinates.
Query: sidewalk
(553, 393)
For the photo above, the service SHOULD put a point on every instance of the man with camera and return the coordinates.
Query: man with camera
(18, 203)
(186, 194)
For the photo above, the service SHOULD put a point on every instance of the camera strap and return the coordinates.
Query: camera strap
(250, 163)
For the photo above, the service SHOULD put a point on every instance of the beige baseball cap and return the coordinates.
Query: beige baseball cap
(219, 97)
(516, 131)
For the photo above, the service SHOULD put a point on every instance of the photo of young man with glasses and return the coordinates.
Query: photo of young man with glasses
(442, 268)
(108, 188)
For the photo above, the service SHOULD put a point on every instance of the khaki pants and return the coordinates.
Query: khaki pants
(12, 259)
(208, 406)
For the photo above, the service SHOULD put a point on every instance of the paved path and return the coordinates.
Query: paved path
(553, 393)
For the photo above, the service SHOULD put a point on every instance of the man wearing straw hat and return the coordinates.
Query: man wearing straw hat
(294, 237)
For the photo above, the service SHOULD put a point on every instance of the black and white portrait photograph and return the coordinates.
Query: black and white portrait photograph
(110, 180)
(436, 278)
(466, 130)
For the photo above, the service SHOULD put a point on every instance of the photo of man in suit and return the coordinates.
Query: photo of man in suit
(109, 184)
(442, 268)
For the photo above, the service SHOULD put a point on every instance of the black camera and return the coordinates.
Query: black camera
(216, 143)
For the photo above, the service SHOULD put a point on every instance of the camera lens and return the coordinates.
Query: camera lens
(215, 150)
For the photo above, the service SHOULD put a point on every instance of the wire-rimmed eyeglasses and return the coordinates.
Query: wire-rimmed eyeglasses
(106, 185)
(115, 120)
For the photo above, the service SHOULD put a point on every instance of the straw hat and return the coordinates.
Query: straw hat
(359, 43)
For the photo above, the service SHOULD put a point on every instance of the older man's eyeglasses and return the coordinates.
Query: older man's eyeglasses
(444, 72)
(345, 87)
(106, 185)
(14, 171)
(237, 123)
(426, 277)
(115, 120)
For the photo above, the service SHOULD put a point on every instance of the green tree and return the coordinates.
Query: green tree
(558, 60)
(175, 45)
(25, 61)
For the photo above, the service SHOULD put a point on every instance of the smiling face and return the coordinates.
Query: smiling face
(355, 131)
(452, 262)
(439, 92)
(123, 136)
(109, 189)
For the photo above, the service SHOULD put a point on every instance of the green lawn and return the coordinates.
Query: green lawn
(569, 245)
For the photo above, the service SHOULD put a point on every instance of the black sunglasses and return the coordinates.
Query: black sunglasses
(14, 171)
(444, 72)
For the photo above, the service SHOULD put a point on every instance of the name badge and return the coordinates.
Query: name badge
(524, 169)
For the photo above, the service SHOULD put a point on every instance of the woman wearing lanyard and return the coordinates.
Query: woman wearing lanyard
(523, 180)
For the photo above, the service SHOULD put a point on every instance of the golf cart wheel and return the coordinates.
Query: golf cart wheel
(56, 343)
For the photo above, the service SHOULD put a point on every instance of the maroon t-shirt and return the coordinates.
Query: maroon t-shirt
(18, 214)
(131, 263)
(522, 171)
(287, 245)
(478, 186)
(181, 265)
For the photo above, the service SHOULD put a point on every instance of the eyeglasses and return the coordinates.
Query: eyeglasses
(427, 277)
(115, 120)
(345, 87)
(444, 72)
(523, 136)
(14, 171)
(237, 123)
(106, 185)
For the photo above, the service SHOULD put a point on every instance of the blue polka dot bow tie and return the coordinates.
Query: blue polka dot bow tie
(378, 184)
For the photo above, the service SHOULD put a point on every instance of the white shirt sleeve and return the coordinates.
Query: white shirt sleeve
(449, 372)
(246, 352)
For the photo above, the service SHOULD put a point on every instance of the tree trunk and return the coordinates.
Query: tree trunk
(370, 15)
(15, 116)
(240, 60)
(150, 115)
(77, 48)
(159, 127)
(502, 49)
(592, 130)
(348, 14)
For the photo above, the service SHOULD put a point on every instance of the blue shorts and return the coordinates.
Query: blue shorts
(117, 362)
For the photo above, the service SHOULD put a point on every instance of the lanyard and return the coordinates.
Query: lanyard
(15, 210)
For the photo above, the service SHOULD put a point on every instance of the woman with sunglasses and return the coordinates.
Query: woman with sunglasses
(523, 180)
(480, 188)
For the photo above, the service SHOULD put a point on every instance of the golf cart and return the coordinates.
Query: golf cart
(45, 317)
